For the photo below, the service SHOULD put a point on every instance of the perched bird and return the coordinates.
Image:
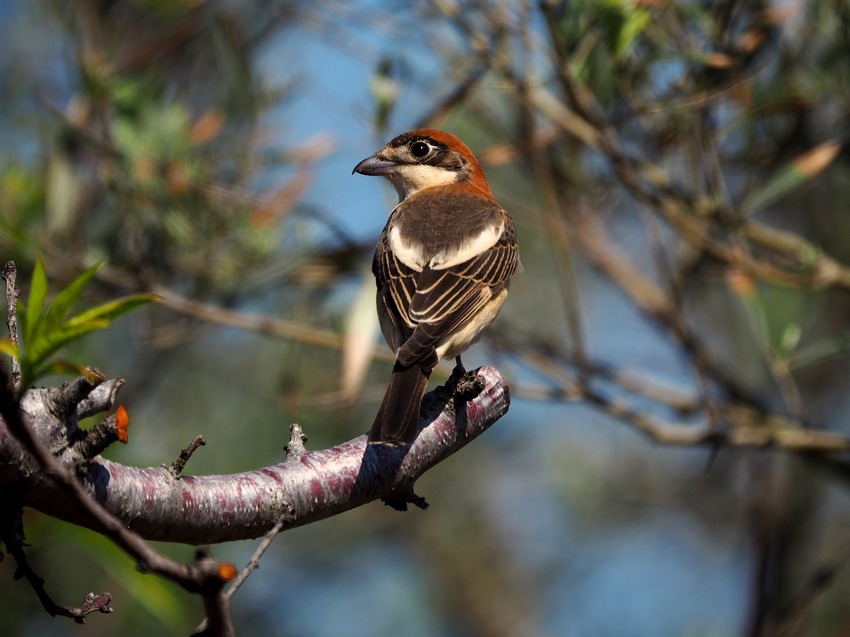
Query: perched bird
(442, 265)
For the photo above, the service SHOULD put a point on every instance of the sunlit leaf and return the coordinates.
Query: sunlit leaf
(718, 60)
(632, 28)
(68, 297)
(60, 366)
(7, 347)
(50, 341)
(35, 302)
(112, 309)
(791, 176)
(821, 351)
(62, 190)
(790, 338)
(359, 342)
(207, 127)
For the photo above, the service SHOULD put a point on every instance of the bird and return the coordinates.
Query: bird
(442, 266)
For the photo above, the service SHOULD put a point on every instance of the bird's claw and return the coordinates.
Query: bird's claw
(469, 385)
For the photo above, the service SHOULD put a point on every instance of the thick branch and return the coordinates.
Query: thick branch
(312, 486)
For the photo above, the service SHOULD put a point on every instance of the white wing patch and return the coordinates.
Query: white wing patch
(471, 248)
(410, 254)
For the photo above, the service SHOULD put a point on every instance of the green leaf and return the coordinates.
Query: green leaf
(59, 367)
(631, 30)
(113, 309)
(67, 298)
(7, 347)
(35, 302)
(821, 351)
(48, 342)
(791, 176)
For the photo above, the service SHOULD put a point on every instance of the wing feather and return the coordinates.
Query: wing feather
(425, 306)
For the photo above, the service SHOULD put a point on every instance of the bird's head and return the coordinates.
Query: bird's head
(424, 158)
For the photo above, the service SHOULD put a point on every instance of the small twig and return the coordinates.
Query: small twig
(176, 467)
(252, 565)
(798, 608)
(457, 95)
(218, 622)
(10, 273)
(295, 447)
(749, 429)
(111, 429)
(259, 323)
(94, 604)
(100, 399)
(12, 535)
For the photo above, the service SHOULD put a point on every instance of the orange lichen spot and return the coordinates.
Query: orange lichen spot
(741, 283)
(207, 127)
(719, 61)
(122, 423)
(176, 180)
(226, 571)
(751, 40)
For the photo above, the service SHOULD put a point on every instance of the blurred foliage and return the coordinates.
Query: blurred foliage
(678, 172)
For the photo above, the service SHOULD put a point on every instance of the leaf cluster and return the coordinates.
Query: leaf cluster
(45, 328)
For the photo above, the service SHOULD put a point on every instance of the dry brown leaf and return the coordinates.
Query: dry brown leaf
(814, 161)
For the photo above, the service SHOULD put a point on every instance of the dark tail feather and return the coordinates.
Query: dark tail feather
(397, 421)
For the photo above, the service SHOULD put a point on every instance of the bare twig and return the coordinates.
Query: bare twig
(218, 622)
(747, 430)
(295, 447)
(10, 273)
(252, 565)
(262, 324)
(12, 536)
(176, 467)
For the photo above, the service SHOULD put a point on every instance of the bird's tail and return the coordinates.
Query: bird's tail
(397, 421)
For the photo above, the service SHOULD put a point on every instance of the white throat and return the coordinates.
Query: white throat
(411, 179)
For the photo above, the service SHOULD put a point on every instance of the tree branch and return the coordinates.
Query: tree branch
(308, 487)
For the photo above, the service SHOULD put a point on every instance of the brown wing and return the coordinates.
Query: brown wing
(446, 299)
(425, 306)
(396, 288)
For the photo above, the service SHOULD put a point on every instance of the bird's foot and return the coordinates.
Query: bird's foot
(467, 385)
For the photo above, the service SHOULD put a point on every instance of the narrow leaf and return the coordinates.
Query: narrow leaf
(821, 351)
(113, 309)
(51, 341)
(791, 176)
(7, 347)
(359, 342)
(631, 30)
(67, 298)
(35, 302)
(60, 367)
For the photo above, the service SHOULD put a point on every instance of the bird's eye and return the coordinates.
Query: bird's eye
(420, 149)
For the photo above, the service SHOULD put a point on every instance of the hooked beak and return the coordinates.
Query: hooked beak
(374, 165)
